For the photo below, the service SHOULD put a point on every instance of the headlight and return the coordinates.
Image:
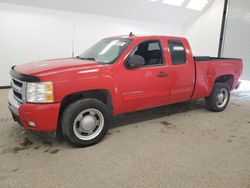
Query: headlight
(41, 92)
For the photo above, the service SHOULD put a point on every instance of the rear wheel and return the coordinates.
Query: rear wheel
(219, 97)
(85, 122)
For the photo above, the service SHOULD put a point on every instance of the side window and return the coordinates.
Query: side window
(154, 46)
(177, 52)
(151, 52)
(133, 52)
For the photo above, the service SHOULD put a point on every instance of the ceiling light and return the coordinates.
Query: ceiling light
(174, 2)
(153, 0)
(197, 4)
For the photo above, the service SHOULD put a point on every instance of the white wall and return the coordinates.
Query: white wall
(204, 33)
(31, 34)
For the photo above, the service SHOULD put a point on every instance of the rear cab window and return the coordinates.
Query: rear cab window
(177, 52)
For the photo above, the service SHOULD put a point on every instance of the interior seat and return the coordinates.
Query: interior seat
(155, 57)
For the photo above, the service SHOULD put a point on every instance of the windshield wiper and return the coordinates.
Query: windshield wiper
(86, 58)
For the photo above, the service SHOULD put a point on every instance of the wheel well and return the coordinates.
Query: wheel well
(101, 95)
(226, 79)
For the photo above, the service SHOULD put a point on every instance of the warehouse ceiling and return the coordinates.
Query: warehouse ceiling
(142, 10)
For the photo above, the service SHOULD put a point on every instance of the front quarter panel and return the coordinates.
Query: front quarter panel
(80, 80)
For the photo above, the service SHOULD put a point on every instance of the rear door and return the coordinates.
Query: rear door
(147, 86)
(182, 71)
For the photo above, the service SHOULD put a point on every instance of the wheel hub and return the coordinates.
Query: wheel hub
(220, 98)
(88, 123)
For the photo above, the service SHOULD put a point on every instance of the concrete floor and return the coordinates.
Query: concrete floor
(181, 145)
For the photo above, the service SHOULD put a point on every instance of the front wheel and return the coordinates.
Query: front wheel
(219, 97)
(85, 122)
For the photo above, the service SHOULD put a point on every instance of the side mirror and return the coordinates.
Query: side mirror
(135, 61)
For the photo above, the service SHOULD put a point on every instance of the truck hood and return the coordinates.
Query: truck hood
(46, 67)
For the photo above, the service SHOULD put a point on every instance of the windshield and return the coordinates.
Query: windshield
(106, 51)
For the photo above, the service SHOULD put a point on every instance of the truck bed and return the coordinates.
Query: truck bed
(208, 69)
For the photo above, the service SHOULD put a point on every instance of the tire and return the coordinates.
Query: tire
(219, 97)
(85, 122)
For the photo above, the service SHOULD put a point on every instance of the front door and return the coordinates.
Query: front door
(148, 85)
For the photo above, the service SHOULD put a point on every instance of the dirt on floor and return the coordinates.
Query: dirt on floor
(181, 145)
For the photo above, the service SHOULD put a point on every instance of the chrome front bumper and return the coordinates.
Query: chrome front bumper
(13, 103)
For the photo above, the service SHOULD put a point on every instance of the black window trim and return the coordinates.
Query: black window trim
(162, 51)
(177, 42)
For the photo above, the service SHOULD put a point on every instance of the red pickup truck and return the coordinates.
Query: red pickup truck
(78, 96)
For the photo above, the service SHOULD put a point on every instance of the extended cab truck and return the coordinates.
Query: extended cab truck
(78, 96)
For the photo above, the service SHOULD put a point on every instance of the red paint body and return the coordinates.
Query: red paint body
(131, 90)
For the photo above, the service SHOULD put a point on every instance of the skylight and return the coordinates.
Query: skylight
(174, 2)
(197, 4)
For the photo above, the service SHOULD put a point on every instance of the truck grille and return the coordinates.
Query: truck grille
(19, 88)
(18, 83)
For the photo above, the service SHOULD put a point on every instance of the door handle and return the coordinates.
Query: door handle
(162, 74)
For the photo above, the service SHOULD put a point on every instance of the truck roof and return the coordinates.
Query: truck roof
(146, 37)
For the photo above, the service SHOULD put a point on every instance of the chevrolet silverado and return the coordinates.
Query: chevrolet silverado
(78, 96)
